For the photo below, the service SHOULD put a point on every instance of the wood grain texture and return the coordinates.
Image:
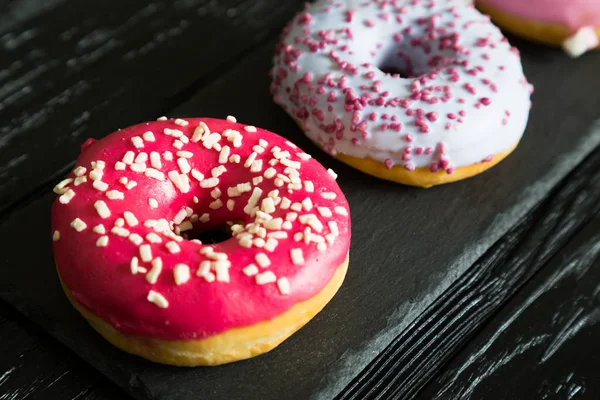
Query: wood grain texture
(543, 344)
(418, 353)
(33, 366)
(409, 245)
(86, 68)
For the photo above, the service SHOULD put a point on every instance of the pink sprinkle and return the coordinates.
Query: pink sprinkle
(372, 116)
(485, 101)
(409, 138)
(370, 23)
(429, 150)
(409, 167)
(418, 150)
(349, 15)
(307, 77)
(432, 116)
(388, 163)
(451, 116)
(450, 170)
(434, 167)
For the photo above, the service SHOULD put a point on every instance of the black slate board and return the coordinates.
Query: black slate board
(409, 245)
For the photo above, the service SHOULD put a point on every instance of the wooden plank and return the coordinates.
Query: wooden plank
(84, 69)
(416, 355)
(543, 343)
(402, 257)
(34, 365)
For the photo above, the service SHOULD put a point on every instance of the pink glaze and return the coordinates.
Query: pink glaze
(101, 279)
(575, 14)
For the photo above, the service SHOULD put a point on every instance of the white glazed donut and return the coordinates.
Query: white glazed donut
(462, 108)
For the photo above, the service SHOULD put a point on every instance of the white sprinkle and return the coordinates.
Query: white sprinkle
(148, 136)
(173, 132)
(178, 144)
(136, 239)
(155, 174)
(181, 122)
(99, 185)
(341, 210)
(303, 156)
(333, 227)
(231, 118)
(307, 204)
(163, 118)
(96, 174)
(333, 174)
(180, 216)
(257, 180)
(253, 200)
(152, 203)
(99, 164)
(291, 216)
(137, 142)
(274, 224)
(215, 205)
(155, 160)
(309, 186)
(152, 275)
(120, 166)
(99, 229)
(128, 157)
(250, 128)
(297, 256)
(265, 277)
(181, 274)
(158, 299)
(256, 167)
(209, 183)
(130, 218)
(78, 225)
(285, 203)
(325, 212)
(138, 167)
(204, 218)
(328, 195)
(185, 226)
(278, 234)
(184, 166)
(271, 244)
(67, 196)
(150, 223)
(210, 140)
(258, 149)
(250, 270)
(203, 268)
(185, 154)
(117, 230)
(133, 265)
(197, 175)
(311, 220)
(56, 236)
(176, 179)
(168, 156)
(284, 286)
(102, 209)
(267, 205)
(289, 163)
(80, 179)
(263, 260)
(583, 40)
(146, 253)
(141, 158)
(79, 171)
(296, 206)
(130, 185)
(259, 242)
(278, 182)
(173, 247)
(218, 171)
(153, 238)
(115, 195)
(201, 130)
(235, 158)
(102, 241)
(222, 270)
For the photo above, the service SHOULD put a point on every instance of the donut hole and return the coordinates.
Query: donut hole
(214, 235)
(412, 58)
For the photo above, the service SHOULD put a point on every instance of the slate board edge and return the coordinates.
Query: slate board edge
(344, 370)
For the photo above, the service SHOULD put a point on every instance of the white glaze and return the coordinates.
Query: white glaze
(485, 131)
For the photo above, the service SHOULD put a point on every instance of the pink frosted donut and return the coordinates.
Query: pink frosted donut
(460, 105)
(122, 228)
(572, 24)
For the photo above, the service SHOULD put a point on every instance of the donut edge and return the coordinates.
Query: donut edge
(232, 345)
(420, 177)
(543, 32)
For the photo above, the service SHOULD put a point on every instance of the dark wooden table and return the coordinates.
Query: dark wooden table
(75, 69)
